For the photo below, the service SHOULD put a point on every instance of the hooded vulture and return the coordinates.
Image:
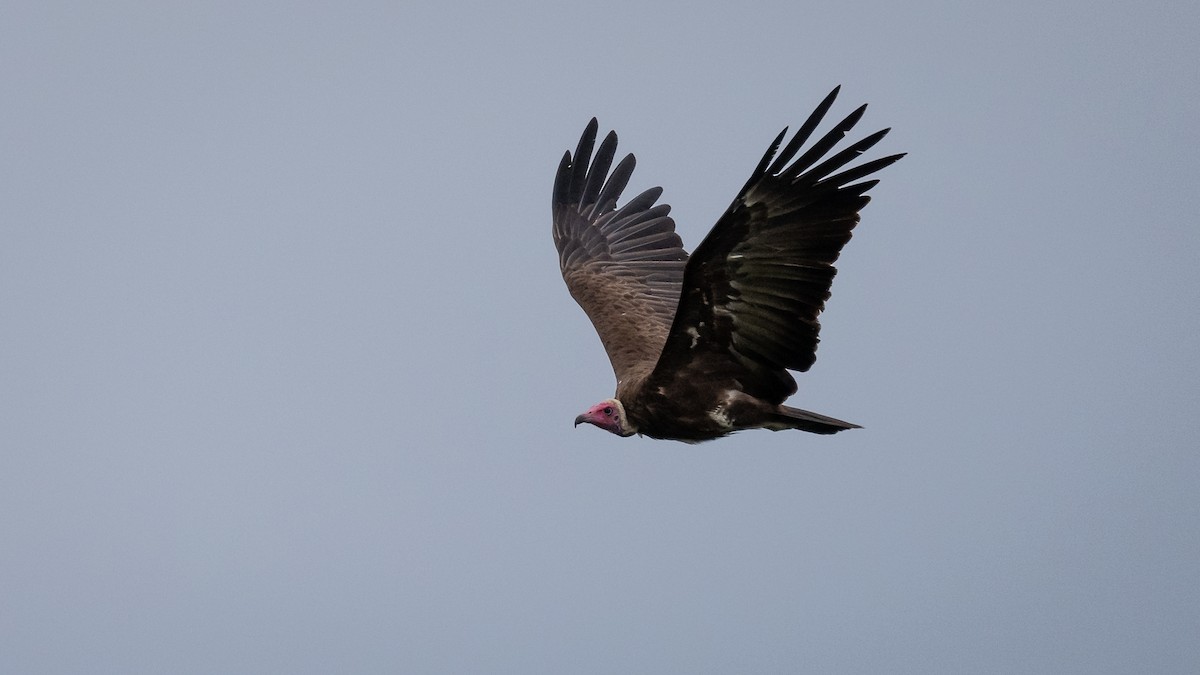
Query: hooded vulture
(702, 345)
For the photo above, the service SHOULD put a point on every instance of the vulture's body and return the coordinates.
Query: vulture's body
(701, 345)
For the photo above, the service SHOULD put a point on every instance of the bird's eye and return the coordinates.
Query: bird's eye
(608, 410)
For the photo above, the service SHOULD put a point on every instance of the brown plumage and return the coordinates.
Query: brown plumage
(701, 346)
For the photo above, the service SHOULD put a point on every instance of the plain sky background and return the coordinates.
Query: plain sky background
(287, 370)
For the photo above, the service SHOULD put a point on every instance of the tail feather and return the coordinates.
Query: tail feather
(795, 418)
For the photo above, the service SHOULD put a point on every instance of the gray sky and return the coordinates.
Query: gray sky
(289, 372)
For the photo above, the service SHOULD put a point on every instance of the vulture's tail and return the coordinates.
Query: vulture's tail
(795, 418)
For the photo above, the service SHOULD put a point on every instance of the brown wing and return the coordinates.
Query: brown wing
(624, 266)
(754, 287)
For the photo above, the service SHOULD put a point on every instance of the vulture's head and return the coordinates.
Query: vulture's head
(608, 415)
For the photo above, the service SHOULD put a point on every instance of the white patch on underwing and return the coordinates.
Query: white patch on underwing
(720, 414)
(695, 336)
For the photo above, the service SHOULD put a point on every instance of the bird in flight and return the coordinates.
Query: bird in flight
(702, 345)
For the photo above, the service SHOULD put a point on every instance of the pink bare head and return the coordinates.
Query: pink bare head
(609, 415)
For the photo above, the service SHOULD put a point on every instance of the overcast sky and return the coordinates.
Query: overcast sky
(288, 371)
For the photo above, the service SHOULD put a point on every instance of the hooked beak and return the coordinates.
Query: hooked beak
(580, 419)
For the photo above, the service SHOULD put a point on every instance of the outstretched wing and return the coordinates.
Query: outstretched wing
(624, 266)
(756, 284)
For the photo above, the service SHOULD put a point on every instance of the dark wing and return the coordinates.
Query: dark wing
(756, 284)
(624, 266)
